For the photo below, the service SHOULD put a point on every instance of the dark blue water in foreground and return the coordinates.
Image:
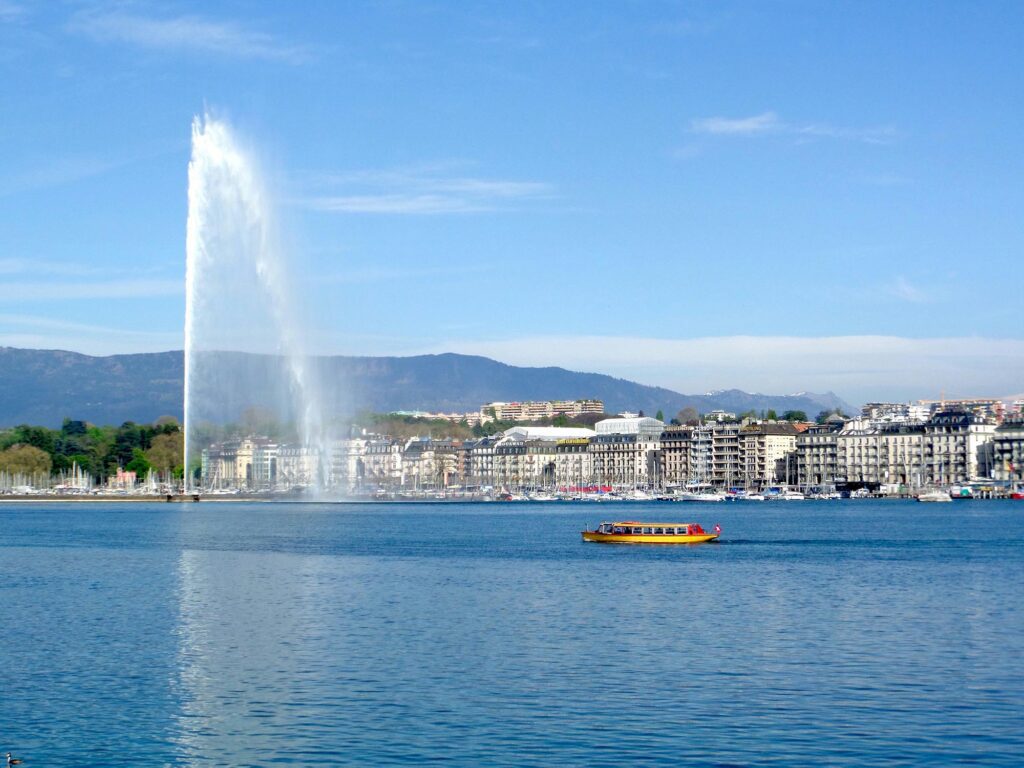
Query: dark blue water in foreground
(843, 633)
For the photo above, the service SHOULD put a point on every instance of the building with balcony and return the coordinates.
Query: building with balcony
(1008, 452)
(817, 455)
(573, 462)
(675, 454)
(538, 410)
(766, 451)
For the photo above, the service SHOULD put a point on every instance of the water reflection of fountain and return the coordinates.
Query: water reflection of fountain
(262, 649)
(238, 297)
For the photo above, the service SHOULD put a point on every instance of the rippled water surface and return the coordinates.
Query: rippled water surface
(256, 634)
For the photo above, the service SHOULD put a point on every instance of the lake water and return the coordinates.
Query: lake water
(842, 633)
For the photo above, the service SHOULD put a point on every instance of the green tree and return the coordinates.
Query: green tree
(688, 415)
(38, 437)
(771, 415)
(139, 464)
(167, 452)
(25, 459)
(659, 415)
(71, 427)
(824, 416)
(794, 416)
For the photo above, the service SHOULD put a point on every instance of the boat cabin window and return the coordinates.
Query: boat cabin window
(636, 530)
(617, 529)
(648, 530)
(659, 531)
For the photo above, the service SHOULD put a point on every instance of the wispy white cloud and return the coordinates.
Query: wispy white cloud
(117, 288)
(420, 191)
(766, 122)
(769, 123)
(903, 289)
(193, 33)
(859, 368)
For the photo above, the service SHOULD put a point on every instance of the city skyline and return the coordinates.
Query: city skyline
(696, 196)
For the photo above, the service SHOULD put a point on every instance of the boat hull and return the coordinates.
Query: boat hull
(640, 538)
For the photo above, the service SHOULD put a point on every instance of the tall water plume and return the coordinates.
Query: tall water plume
(245, 341)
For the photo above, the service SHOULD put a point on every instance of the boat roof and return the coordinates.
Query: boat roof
(656, 525)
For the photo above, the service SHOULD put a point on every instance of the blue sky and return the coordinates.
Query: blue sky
(773, 196)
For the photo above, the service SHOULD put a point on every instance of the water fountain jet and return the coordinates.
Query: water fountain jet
(239, 298)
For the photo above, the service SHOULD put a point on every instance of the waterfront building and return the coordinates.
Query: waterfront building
(347, 468)
(626, 459)
(702, 455)
(250, 463)
(296, 466)
(509, 453)
(726, 458)
(539, 463)
(527, 456)
(766, 449)
(481, 461)
(447, 459)
(901, 456)
(858, 447)
(951, 447)
(419, 470)
(382, 463)
(675, 454)
(573, 462)
(1008, 451)
(817, 459)
(875, 455)
(958, 447)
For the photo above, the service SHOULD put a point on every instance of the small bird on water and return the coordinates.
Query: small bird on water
(12, 760)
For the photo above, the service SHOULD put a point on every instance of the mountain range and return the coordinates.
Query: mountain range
(42, 387)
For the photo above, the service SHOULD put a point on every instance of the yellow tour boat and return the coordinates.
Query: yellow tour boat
(632, 532)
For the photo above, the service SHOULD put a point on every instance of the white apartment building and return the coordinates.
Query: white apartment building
(766, 450)
(950, 448)
(817, 454)
(1008, 451)
(573, 463)
(539, 409)
(626, 459)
